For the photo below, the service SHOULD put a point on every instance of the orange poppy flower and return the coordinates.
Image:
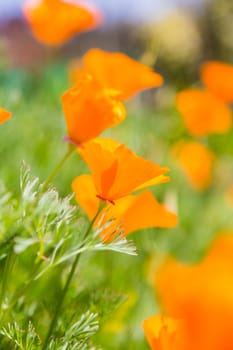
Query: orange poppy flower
(203, 113)
(55, 21)
(117, 71)
(130, 213)
(117, 171)
(218, 79)
(162, 332)
(202, 297)
(89, 109)
(4, 115)
(197, 161)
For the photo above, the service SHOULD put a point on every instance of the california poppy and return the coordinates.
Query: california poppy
(128, 214)
(115, 70)
(201, 296)
(117, 171)
(197, 162)
(4, 115)
(162, 333)
(55, 21)
(218, 79)
(89, 109)
(203, 113)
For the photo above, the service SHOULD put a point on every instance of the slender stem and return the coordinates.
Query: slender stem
(70, 276)
(5, 278)
(70, 150)
(60, 302)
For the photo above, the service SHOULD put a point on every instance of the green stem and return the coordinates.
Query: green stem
(6, 273)
(70, 150)
(70, 276)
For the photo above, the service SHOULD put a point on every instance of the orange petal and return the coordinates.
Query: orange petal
(119, 72)
(202, 296)
(4, 115)
(222, 247)
(218, 78)
(55, 21)
(85, 194)
(144, 212)
(203, 113)
(108, 144)
(161, 332)
(137, 212)
(162, 179)
(118, 172)
(89, 109)
(197, 162)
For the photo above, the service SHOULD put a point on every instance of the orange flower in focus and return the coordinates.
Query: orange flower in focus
(162, 332)
(4, 115)
(202, 297)
(55, 21)
(117, 71)
(117, 171)
(130, 213)
(218, 79)
(89, 109)
(196, 160)
(203, 113)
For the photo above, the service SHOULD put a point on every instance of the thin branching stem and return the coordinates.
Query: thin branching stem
(66, 287)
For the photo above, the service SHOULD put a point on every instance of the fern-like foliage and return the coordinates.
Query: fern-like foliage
(77, 337)
(48, 224)
(17, 338)
(40, 236)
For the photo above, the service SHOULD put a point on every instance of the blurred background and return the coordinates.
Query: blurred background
(176, 35)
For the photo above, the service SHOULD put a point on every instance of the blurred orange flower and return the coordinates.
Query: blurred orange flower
(89, 109)
(55, 21)
(197, 161)
(116, 71)
(203, 113)
(130, 213)
(162, 332)
(218, 79)
(117, 171)
(4, 115)
(202, 297)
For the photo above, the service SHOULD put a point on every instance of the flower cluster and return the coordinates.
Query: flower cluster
(115, 196)
(204, 112)
(90, 106)
(95, 103)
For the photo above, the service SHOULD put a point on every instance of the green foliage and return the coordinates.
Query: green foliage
(20, 339)
(41, 233)
(77, 337)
